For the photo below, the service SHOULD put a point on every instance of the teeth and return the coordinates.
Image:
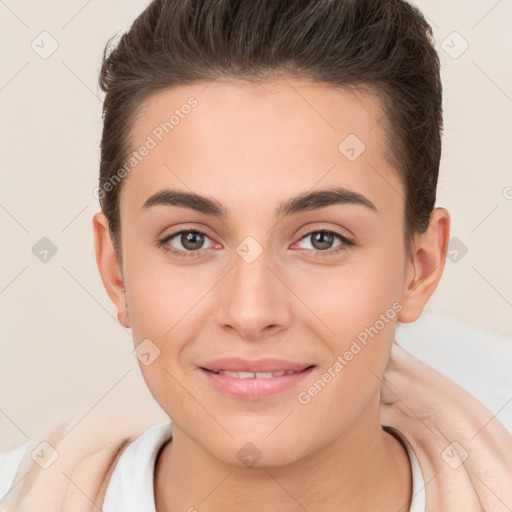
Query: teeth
(265, 375)
(244, 375)
(255, 375)
(229, 374)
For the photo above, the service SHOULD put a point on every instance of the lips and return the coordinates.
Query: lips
(255, 380)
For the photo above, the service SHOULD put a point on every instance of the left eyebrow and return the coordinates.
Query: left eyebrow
(321, 199)
(303, 202)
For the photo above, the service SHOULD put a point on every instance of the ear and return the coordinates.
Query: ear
(426, 267)
(110, 267)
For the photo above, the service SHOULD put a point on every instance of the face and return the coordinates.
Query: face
(259, 273)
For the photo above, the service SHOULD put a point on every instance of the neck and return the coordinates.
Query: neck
(364, 469)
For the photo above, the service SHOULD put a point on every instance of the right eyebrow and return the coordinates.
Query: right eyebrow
(189, 200)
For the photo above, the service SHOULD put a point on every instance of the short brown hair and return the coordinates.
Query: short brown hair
(381, 46)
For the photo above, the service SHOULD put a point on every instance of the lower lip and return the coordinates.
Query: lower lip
(255, 389)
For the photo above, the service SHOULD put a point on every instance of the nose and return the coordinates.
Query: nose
(254, 301)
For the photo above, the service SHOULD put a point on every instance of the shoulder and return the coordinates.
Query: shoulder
(475, 358)
(73, 455)
(9, 463)
(448, 427)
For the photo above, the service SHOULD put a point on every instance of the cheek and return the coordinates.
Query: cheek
(363, 318)
(345, 300)
(360, 305)
(164, 307)
(162, 297)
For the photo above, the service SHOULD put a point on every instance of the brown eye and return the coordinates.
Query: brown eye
(323, 240)
(192, 240)
(187, 243)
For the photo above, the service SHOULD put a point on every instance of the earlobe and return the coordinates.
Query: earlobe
(427, 266)
(110, 267)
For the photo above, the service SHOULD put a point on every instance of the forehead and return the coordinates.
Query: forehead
(226, 138)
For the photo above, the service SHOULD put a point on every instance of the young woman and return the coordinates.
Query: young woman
(267, 184)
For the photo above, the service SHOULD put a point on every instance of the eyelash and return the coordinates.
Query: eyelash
(344, 246)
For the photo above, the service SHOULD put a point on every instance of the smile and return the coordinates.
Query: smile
(254, 386)
(254, 375)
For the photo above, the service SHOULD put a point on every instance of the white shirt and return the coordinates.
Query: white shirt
(132, 491)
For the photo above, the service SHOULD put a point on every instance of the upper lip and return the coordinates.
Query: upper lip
(259, 365)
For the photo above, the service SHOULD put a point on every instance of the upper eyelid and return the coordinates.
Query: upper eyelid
(326, 230)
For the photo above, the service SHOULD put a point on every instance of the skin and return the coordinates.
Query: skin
(251, 147)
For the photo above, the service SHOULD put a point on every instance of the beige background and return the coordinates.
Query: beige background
(62, 348)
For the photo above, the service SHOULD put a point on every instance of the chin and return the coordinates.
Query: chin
(255, 450)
